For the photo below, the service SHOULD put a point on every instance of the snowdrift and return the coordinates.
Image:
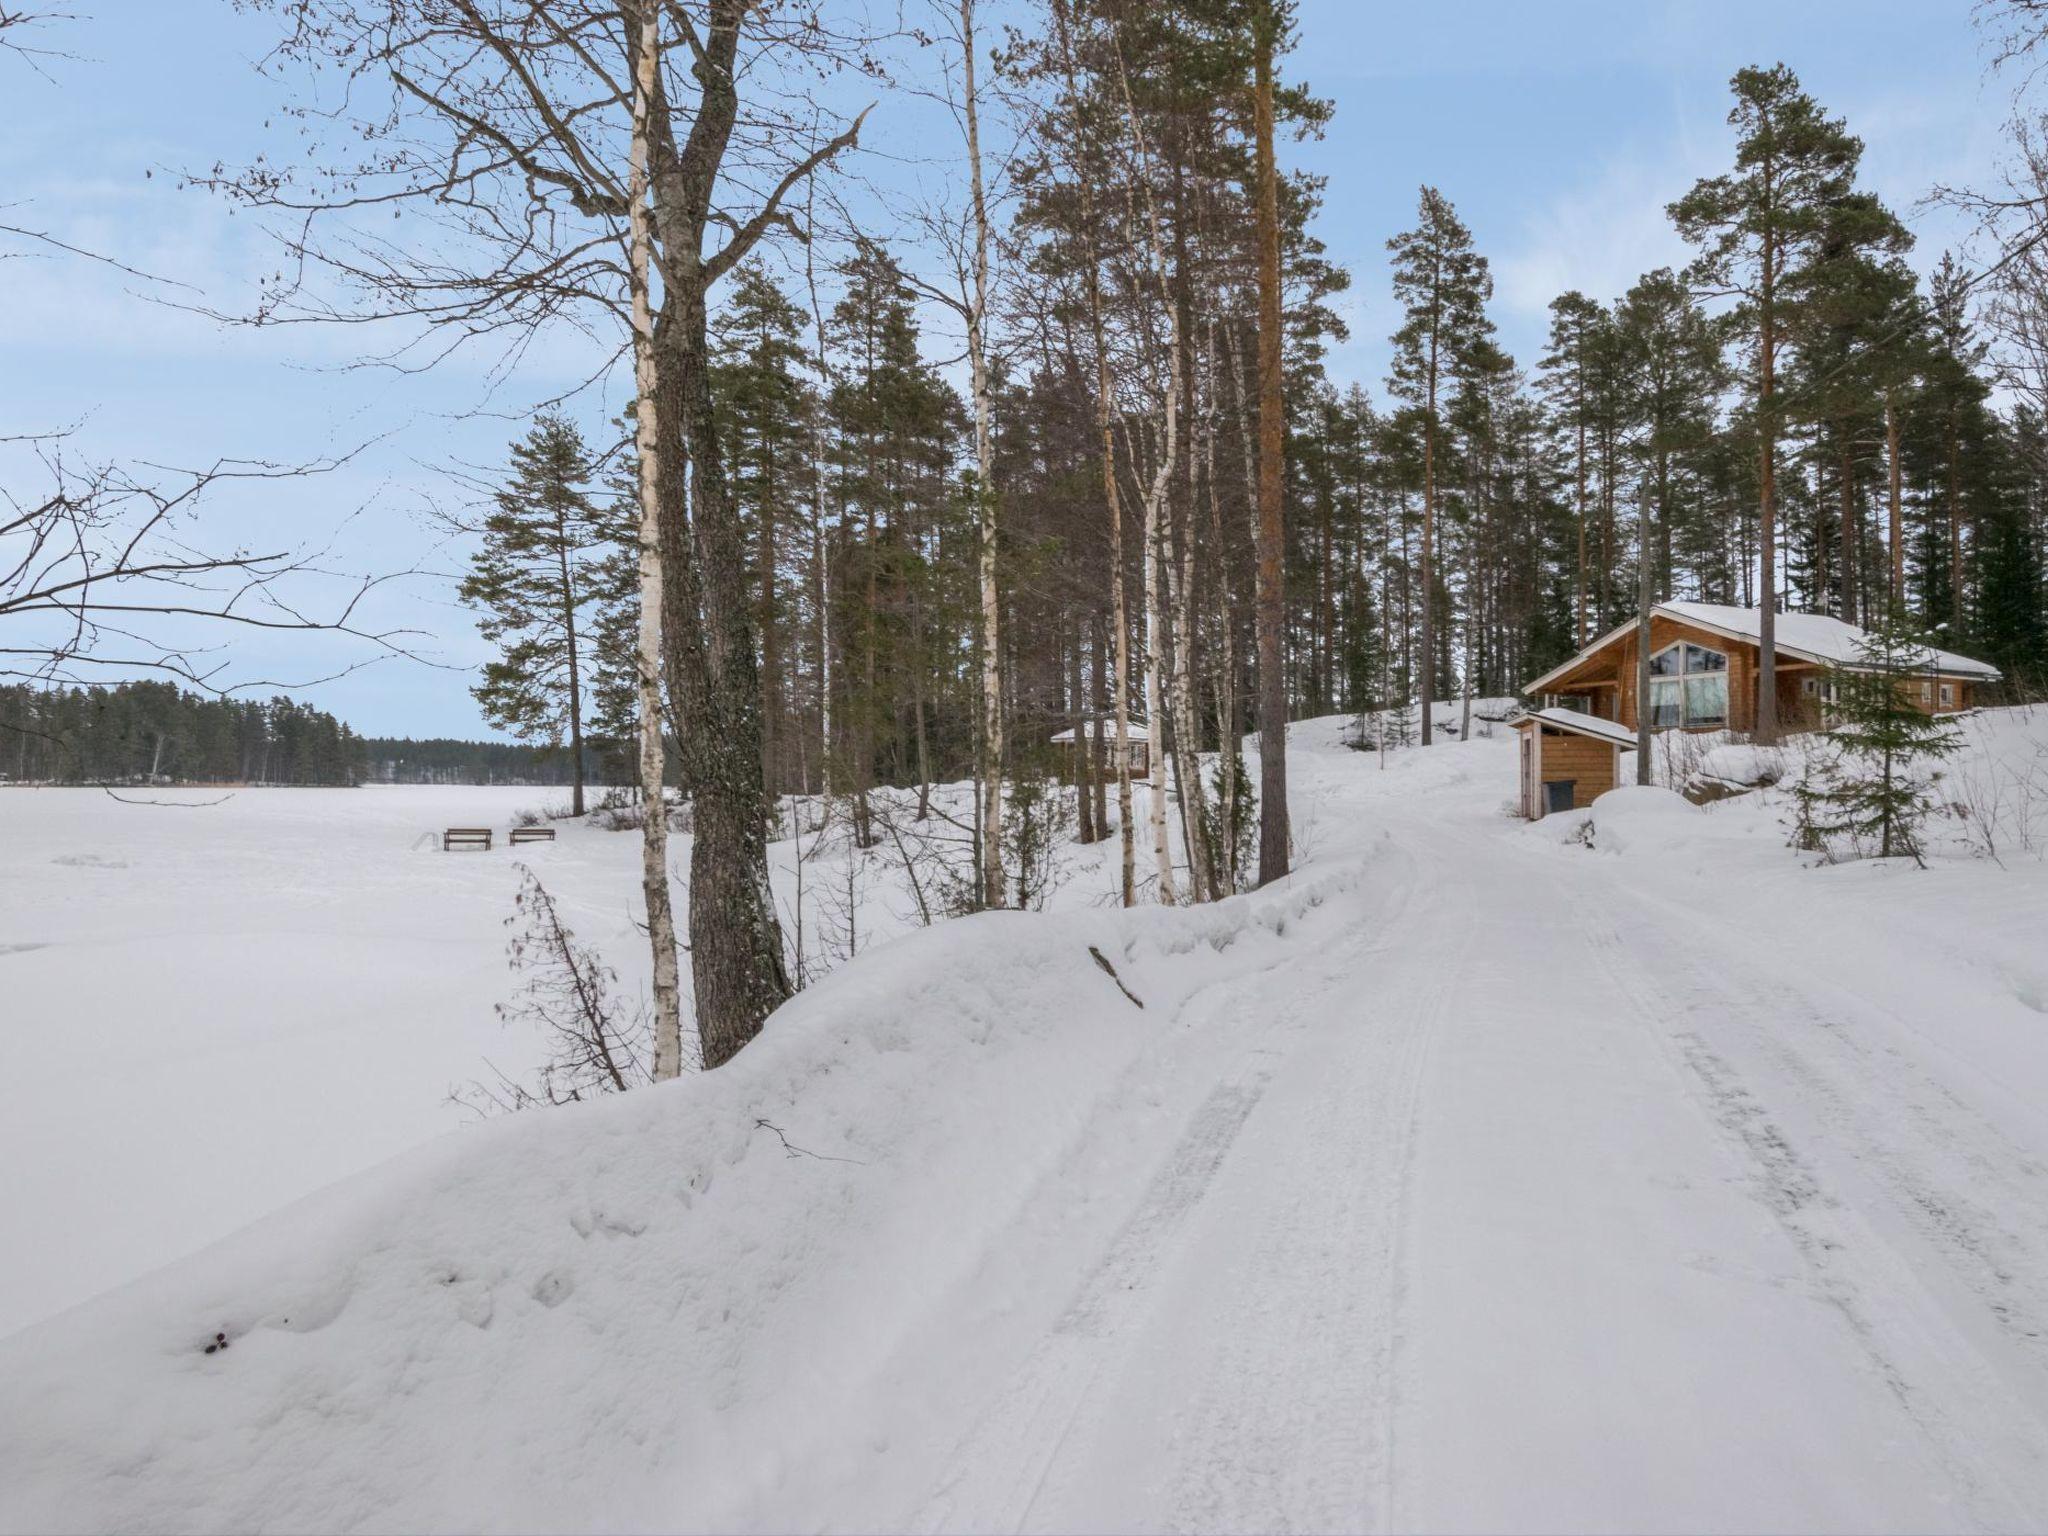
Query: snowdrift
(632, 1312)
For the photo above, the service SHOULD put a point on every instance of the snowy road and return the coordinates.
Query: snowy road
(1556, 1203)
(1477, 1180)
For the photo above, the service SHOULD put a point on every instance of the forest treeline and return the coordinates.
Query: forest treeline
(154, 732)
(448, 760)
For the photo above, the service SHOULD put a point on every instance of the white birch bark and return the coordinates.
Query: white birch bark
(991, 817)
(1112, 501)
(661, 922)
(1155, 498)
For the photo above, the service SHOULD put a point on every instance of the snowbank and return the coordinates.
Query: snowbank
(1644, 820)
(631, 1312)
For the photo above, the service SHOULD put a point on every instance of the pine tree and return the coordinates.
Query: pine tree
(535, 581)
(1674, 367)
(2011, 563)
(1761, 230)
(1577, 327)
(1269, 25)
(1443, 285)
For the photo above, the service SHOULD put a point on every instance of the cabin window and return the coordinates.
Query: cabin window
(1948, 695)
(1688, 687)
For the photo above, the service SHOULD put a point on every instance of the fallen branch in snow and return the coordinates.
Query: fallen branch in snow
(1103, 961)
(791, 1149)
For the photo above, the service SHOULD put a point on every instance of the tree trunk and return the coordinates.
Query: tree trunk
(771, 650)
(1080, 756)
(1579, 469)
(1849, 531)
(1104, 407)
(1643, 643)
(985, 495)
(1897, 528)
(1271, 595)
(575, 668)
(661, 927)
(1426, 639)
(1767, 499)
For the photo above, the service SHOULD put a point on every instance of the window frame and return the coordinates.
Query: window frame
(1678, 682)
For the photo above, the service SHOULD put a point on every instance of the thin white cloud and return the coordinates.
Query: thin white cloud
(1599, 236)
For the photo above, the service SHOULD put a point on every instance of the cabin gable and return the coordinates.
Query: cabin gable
(1601, 681)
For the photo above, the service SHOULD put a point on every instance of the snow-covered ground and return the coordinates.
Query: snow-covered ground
(1485, 1175)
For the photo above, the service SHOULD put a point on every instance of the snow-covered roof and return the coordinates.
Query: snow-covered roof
(1811, 637)
(1108, 732)
(1585, 725)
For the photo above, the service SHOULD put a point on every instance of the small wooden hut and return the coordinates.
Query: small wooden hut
(1569, 759)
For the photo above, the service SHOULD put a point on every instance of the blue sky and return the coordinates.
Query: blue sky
(1560, 130)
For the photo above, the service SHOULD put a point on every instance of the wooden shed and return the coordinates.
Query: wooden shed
(1568, 759)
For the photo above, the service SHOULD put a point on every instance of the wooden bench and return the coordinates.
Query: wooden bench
(466, 837)
(533, 835)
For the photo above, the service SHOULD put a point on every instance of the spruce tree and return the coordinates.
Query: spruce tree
(1876, 787)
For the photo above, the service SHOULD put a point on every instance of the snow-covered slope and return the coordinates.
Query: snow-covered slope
(1484, 1176)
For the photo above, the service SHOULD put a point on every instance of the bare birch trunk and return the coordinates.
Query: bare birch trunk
(985, 496)
(1155, 499)
(1119, 615)
(661, 922)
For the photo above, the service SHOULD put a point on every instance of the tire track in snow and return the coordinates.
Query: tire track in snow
(1293, 1427)
(1002, 1467)
(1976, 1198)
(1048, 1421)
(1846, 1262)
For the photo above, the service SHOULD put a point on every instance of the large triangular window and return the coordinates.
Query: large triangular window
(1688, 687)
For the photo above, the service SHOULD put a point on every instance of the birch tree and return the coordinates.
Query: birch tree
(654, 884)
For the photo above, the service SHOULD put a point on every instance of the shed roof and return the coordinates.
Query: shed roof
(1138, 732)
(1811, 637)
(1584, 725)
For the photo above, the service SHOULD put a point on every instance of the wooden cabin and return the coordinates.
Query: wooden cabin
(1569, 759)
(1704, 671)
(1139, 748)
